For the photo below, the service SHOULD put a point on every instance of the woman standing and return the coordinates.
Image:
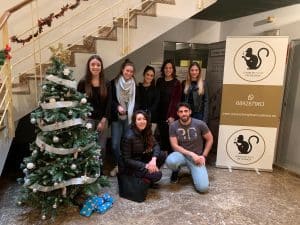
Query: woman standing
(170, 94)
(141, 155)
(195, 93)
(147, 95)
(97, 90)
(123, 102)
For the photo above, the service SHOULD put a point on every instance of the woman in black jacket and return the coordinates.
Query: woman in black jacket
(195, 92)
(141, 155)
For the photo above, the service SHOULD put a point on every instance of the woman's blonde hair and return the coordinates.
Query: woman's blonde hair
(188, 81)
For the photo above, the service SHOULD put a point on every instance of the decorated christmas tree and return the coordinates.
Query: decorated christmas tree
(64, 164)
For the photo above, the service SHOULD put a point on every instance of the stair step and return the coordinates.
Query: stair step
(2, 127)
(119, 23)
(143, 13)
(33, 77)
(18, 88)
(148, 9)
(21, 90)
(170, 2)
(110, 33)
(43, 67)
(89, 46)
(107, 33)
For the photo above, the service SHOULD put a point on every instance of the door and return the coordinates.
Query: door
(288, 148)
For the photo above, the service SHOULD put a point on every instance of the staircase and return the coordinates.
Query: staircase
(138, 24)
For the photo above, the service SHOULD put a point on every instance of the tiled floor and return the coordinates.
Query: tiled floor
(237, 197)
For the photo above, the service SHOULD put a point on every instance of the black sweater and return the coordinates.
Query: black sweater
(147, 99)
(101, 106)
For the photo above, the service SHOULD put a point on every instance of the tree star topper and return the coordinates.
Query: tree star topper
(63, 54)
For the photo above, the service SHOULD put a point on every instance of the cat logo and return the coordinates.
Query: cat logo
(254, 61)
(245, 147)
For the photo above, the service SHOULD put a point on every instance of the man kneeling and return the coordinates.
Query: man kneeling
(186, 138)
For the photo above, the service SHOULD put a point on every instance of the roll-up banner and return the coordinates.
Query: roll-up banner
(251, 101)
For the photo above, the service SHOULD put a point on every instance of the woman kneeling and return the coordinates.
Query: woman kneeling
(141, 155)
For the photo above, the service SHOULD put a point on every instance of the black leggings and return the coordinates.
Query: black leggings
(164, 138)
(156, 176)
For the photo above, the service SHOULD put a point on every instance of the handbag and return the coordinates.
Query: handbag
(132, 188)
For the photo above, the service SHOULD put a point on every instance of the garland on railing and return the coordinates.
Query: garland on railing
(46, 21)
(4, 54)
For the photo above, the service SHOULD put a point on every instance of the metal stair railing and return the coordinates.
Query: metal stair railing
(125, 16)
(8, 72)
(6, 104)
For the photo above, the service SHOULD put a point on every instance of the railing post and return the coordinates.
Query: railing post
(200, 4)
(128, 29)
(34, 52)
(8, 86)
(123, 29)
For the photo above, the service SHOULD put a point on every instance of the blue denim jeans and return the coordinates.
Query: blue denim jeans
(118, 130)
(199, 173)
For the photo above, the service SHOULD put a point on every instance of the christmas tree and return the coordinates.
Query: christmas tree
(65, 157)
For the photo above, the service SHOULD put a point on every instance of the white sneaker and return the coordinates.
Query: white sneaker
(114, 171)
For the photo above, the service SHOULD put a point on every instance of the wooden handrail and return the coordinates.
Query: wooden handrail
(13, 9)
(4, 18)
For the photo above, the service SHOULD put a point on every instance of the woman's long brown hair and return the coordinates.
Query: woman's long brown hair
(88, 78)
(162, 69)
(147, 132)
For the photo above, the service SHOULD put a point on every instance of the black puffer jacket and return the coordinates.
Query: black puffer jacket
(134, 156)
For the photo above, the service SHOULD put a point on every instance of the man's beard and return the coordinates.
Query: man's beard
(184, 119)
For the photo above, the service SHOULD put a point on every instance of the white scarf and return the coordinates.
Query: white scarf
(126, 94)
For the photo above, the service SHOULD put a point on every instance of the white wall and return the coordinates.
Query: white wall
(5, 5)
(191, 31)
(4, 148)
(287, 19)
(151, 28)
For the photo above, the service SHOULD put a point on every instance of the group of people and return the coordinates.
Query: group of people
(134, 111)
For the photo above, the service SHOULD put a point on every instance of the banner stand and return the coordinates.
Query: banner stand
(230, 169)
(252, 92)
(257, 171)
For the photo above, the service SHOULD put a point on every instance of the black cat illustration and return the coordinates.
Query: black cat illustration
(245, 147)
(254, 62)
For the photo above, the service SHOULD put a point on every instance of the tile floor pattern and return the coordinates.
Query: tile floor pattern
(239, 197)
